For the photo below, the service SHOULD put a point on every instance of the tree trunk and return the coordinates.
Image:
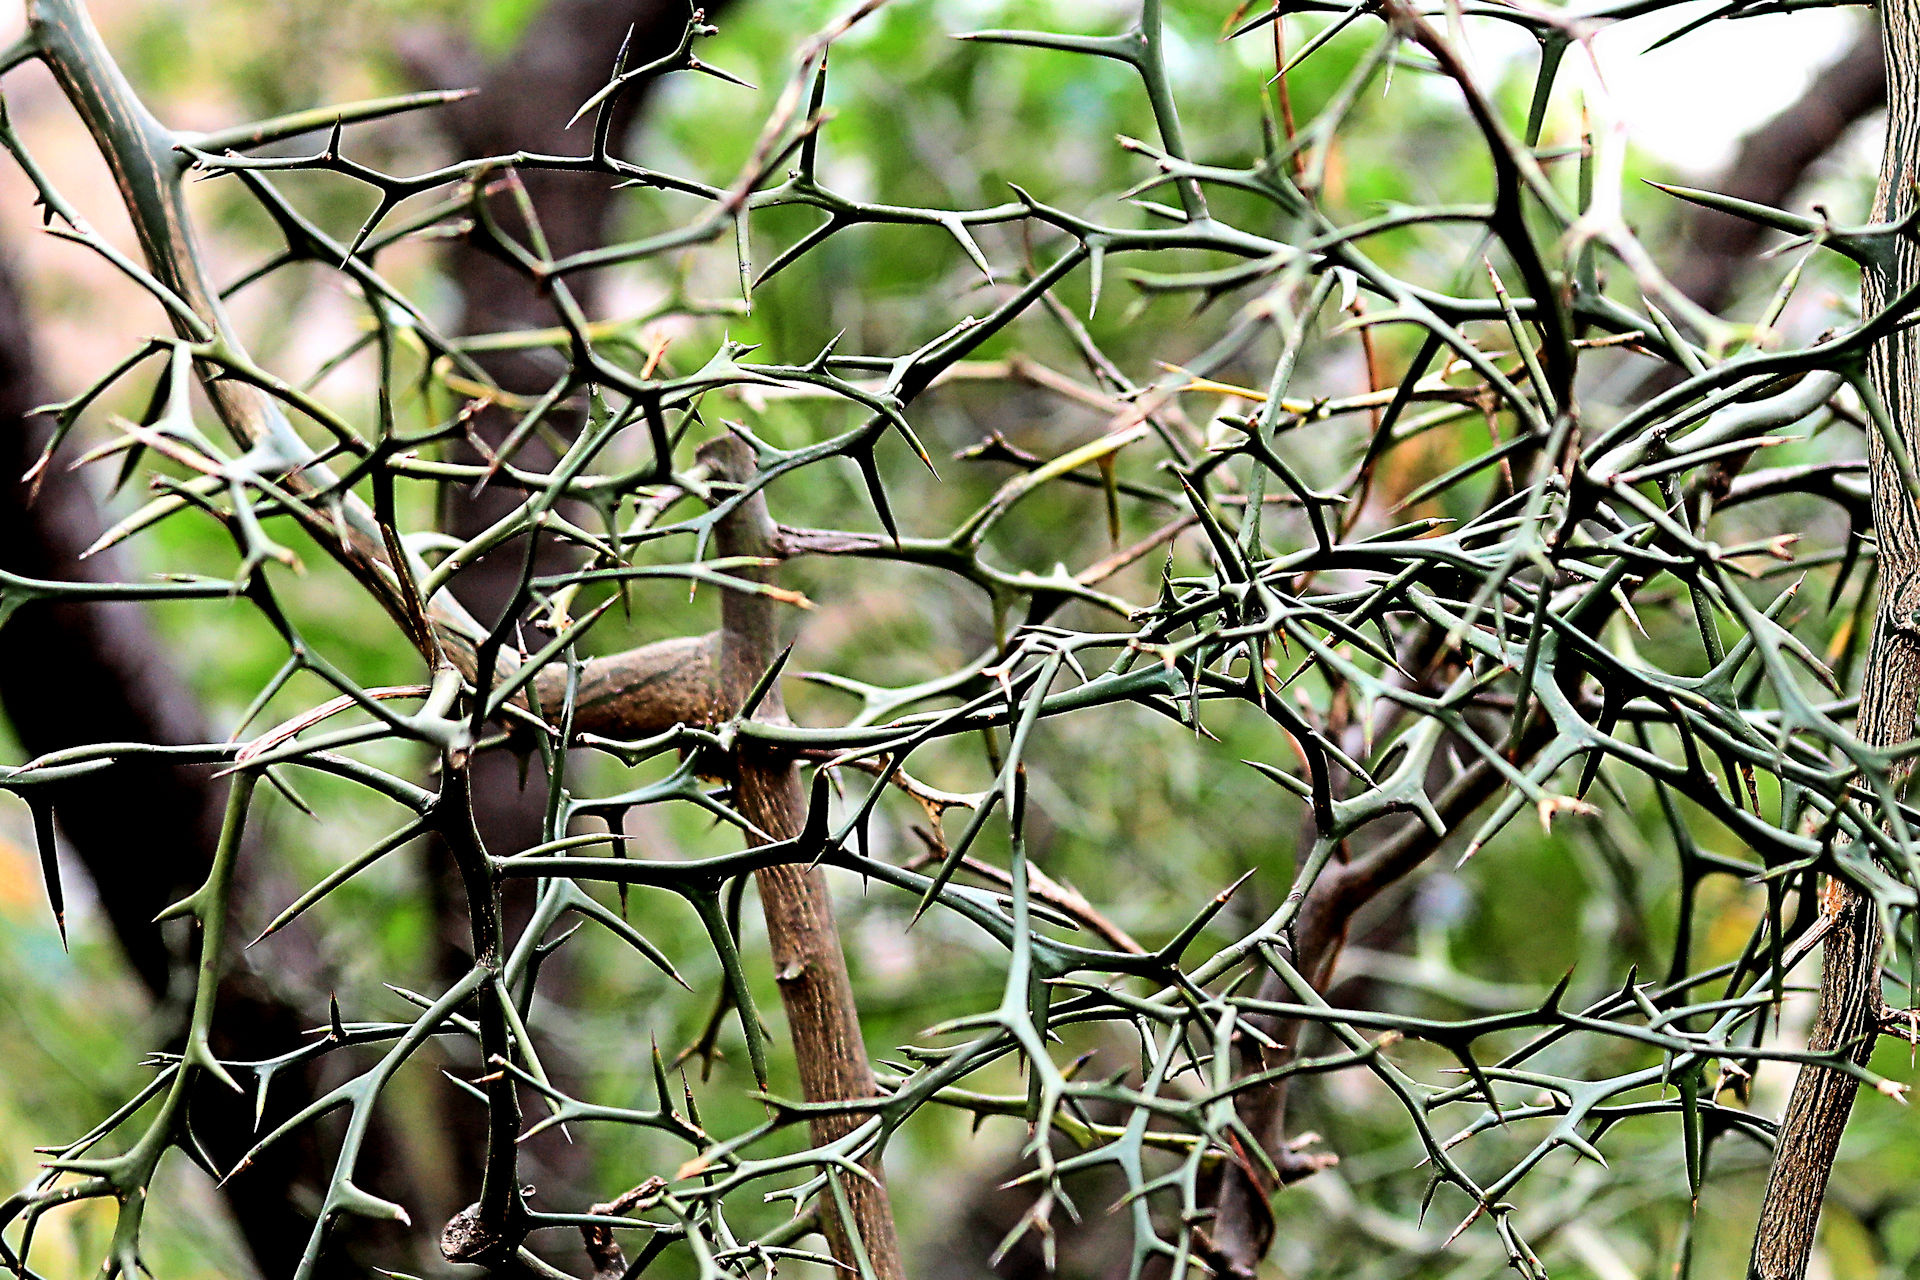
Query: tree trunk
(1850, 988)
(808, 962)
(525, 100)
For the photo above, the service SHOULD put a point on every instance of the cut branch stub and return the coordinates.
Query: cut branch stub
(641, 692)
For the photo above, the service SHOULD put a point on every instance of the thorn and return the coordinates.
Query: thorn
(1468, 1221)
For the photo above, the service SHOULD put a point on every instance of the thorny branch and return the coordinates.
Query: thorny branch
(1414, 675)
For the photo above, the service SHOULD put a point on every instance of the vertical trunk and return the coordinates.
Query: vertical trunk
(1717, 248)
(1850, 986)
(808, 962)
(525, 100)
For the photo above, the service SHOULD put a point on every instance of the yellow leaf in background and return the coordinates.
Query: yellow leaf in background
(20, 889)
(72, 1241)
(1730, 918)
(1846, 1244)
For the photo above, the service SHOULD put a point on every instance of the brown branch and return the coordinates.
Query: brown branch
(603, 1250)
(1771, 164)
(1848, 1019)
(641, 692)
(1848, 1015)
(524, 102)
(1242, 1229)
(808, 962)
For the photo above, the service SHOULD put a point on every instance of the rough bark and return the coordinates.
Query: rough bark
(1816, 1115)
(1850, 1001)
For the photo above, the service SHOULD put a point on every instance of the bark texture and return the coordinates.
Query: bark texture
(1850, 1000)
(1817, 1112)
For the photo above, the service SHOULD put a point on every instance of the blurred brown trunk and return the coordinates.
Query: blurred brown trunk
(74, 674)
(1717, 248)
(1718, 251)
(524, 102)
